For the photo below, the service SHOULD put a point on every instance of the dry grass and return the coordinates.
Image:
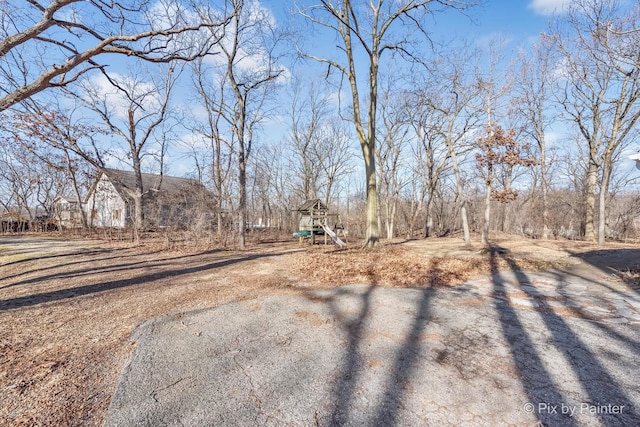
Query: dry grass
(67, 317)
(67, 308)
(401, 266)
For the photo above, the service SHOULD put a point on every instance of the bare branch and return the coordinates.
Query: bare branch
(147, 42)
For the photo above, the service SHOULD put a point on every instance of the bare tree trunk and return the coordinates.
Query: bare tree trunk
(76, 190)
(504, 223)
(460, 194)
(601, 214)
(372, 197)
(387, 217)
(242, 202)
(589, 223)
(392, 218)
(428, 225)
(137, 192)
(465, 222)
(545, 203)
(602, 211)
(217, 172)
(487, 209)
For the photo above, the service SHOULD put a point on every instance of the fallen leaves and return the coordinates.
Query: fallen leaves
(399, 266)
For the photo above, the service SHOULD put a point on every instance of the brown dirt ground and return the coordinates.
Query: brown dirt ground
(68, 307)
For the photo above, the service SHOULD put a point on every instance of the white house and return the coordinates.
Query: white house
(67, 211)
(167, 200)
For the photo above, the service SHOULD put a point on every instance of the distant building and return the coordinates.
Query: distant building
(67, 211)
(167, 201)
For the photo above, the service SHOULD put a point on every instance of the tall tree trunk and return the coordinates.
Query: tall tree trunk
(372, 197)
(602, 207)
(460, 194)
(590, 199)
(545, 203)
(504, 223)
(428, 225)
(137, 199)
(76, 190)
(219, 220)
(487, 208)
(392, 218)
(465, 222)
(217, 170)
(242, 205)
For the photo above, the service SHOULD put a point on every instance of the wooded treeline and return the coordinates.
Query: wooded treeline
(402, 134)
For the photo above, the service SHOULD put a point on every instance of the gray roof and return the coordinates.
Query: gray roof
(164, 183)
(125, 181)
(313, 204)
(67, 198)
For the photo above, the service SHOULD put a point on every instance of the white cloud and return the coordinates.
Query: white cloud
(561, 70)
(115, 158)
(493, 40)
(143, 92)
(71, 14)
(198, 111)
(553, 139)
(189, 142)
(252, 56)
(549, 7)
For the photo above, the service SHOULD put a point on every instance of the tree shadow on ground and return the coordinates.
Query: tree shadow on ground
(535, 378)
(55, 255)
(96, 257)
(601, 388)
(624, 263)
(401, 369)
(96, 269)
(170, 271)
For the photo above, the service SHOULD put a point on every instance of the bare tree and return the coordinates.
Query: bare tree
(392, 145)
(31, 178)
(432, 157)
(532, 104)
(211, 94)
(308, 115)
(455, 95)
(53, 135)
(133, 109)
(601, 89)
(64, 39)
(270, 191)
(17, 181)
(250, 37)
(498, 148)
(371, 29)
(335, 146)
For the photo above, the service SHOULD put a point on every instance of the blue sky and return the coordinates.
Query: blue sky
(519, 19)
(518, 22)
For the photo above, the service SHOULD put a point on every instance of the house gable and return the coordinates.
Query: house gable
(105, 206)
(67, 211)
(167, 200)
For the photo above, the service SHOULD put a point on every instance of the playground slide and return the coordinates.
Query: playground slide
(334, 236)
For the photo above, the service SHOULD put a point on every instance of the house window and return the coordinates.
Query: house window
(116, 214)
